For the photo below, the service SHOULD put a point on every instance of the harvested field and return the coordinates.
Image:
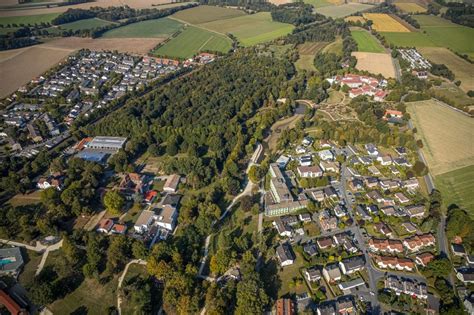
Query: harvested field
(375, 63)
(446, 134)
(280, 2)
(152, 28)
(206, 13)
(385, 23)
(410, 7)
(355, 19)
(7, 54)
(251, 29)
(307, 51)
(193, 40)
(136, 4)
(343, 10)
(462, 69)
(129, 45)
(366, 42)
(26, 65)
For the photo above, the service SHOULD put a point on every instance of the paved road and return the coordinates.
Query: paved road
(122, 277)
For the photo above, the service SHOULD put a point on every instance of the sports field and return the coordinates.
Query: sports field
(340, 11)
(152, 28)
(84, 24)
(206, 13)
(366, 42)
(193, 40)
(456, 188)
(376, 63)
(447, 136)
(410, 7)
(463, 70)
(385, 23)
(251, 29)
(28, 19)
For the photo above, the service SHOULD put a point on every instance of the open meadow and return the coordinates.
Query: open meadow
(307, 51)
(152, 28)
(376, 63)
(83, 24)
(462, 69)
(366, 42)
(251, 29)
(385, 23)
(410, 7)
(28, 19)
(193, 40)
(323, 3)
(206, 13)
(340, 11)
(447, 136)
(457, 187)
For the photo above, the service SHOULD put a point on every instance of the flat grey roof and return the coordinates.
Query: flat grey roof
(109, 142)
(10, 259)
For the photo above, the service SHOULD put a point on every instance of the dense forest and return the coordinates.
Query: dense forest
(295, 13)
(460, 13)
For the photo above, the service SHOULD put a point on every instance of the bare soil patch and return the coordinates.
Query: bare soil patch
(375, 63)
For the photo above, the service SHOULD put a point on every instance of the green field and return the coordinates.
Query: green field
(456, 188)
(152, 28)
(84, 24)
(335, 47)
(205, 13)
(6, 30)
(435, 32)
(366, 42)
(193, 40)
(318, 3)
(339, 11)
(251, 29)
(28, 19)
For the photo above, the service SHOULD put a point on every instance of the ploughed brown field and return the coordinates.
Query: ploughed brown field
(19, 66)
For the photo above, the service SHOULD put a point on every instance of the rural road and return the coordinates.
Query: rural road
(122, 277)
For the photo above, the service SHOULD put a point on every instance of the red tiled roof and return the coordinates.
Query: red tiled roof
(149, 195)
(10, 304)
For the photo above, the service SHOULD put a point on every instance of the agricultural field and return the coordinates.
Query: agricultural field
(164, 27)
(454, 95)
(323, 3)
(355, 19)
(376, 63)
(343, 10)
(462, 69)
(193, 40)
(456, 188)
(205, 14)
(334, 48)
(385, 23)
(446, 134)
(26, 65)
(84, 24)
(251, 29)
(366, 42)
(28, 19)
(410, 7)
(307, 51)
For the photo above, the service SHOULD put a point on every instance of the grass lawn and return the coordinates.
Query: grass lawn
(251, 29)
(286, 277)
(339, 11)
(206, 13)
(152, 28)
(193, 40)
(135, 270)
(85, 24)
(27, 199)
(456, 188)
(366, 42)
(90, 296)
(32, 260)
(28, 19)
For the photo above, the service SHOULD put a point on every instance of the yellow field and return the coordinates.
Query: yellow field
(410, 7)
(385, 23)
(446, 134)
(376, 63)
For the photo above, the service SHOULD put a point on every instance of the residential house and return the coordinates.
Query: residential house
(339, 211)
(388, 262)
(388, 210)
(285, 254)
(327, 222)
(466, 275)
(347, 287)
(388, 184)
(119, 229)
(313, 274)
(406, 286)
(304, 217)
(332, 273)
(409, 227)
(346, 306)
(390, 113)
(326, 309)
(171, 184)
(374, 170)
(329, 166)
(415, 211)
(360, 211)
(371, 149)
(282, 228)
(424, 259)
(309, 171)
(401, 161)
(310, 249)
(356, 184)
(326, 155)
(401, 198)
(385, 160)
(383, 229)
(306, 160)
(351, 265)
(105, 225)
(325, 242)
(11, 305)
(144, 221)
(12, 261)
(371, 182)
(417, 242)
(51, 181)
(410, 184)
(458, 250)
(318, 195)
(385, 245)
(285, 307)
(166, 217)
